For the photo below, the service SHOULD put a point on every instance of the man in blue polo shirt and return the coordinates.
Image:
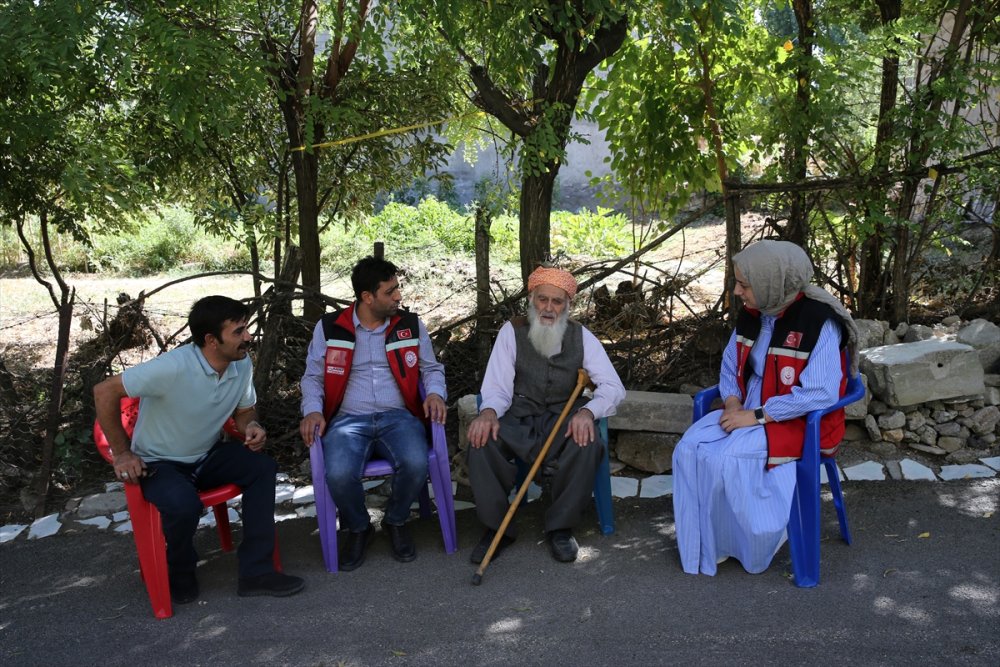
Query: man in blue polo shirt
(187, 395)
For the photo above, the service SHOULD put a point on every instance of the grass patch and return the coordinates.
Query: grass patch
(168, 240)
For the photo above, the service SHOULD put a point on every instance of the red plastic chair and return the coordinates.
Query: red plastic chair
(147, 527)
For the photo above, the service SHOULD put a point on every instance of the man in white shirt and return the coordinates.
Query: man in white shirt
(531, 374)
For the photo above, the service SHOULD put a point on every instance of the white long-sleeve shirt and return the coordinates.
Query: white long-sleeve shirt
(498, 382)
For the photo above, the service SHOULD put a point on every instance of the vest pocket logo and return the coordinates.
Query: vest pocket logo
(403, 333)
(793, 339)
(335, 357)
(787, 375)
(411, 358)
(335, 370)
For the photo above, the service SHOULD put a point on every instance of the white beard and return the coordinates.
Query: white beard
(546, 338)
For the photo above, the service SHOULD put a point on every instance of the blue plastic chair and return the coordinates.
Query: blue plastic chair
(602, 481)
(804, 519)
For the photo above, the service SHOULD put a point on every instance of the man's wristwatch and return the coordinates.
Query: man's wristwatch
(759, 416)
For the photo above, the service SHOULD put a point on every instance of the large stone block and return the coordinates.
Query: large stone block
(652, 411)
(467, 411)
(871, 333)
(984, 336)
(859, 408)
(650, 452)
(929, 370)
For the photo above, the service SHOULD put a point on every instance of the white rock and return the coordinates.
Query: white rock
(283, 492)
(44, 527)
(373, 483)
(867, 471)
(207, 519)
(967, 471)
(234, 516)
(913, 470)
(306, 511)
(101, 522)
(124, 527)
(624, 487)
(281, 477)
(287, 516)
(303, 495)
(993, 462)
(10, 531)
(114, 486)
(824, 479)
(454, 489)
(463, 505)
(533, 494)
(119, 516)
(655, 486)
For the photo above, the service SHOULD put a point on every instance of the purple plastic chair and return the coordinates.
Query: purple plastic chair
(804, 520)
(439, 470)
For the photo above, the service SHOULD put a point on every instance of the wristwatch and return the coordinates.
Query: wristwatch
(759, 416)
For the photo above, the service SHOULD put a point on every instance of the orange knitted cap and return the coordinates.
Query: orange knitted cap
(564, 280)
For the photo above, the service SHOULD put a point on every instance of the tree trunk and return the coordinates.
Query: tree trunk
(797, 230)
(535, 219)
(928, 100)
(484, 341)
(306, 185)
(54, 417)
(278, 309)
(870, 280)
(254, 258)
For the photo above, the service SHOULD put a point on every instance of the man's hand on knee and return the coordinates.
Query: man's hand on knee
(311, 425)
(483, 428)
(581, 427)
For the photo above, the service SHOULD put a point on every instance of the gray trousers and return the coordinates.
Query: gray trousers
(569, 467)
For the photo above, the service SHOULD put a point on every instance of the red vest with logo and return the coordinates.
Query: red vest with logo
(796, 331)
(402, 351)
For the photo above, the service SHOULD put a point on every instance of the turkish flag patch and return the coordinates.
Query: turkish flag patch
(404, 333)
(793, 339)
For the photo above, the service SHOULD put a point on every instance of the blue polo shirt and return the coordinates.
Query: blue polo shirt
(185, 403)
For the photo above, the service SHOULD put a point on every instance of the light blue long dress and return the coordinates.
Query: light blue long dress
(726, 503)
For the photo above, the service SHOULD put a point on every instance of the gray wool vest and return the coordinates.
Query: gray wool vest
(545, 383)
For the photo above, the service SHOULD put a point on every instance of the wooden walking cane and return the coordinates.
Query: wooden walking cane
(582, 380)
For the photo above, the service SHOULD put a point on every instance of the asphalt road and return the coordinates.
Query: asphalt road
(920, 585)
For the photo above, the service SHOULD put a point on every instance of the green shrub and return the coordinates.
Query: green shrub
(601, 235)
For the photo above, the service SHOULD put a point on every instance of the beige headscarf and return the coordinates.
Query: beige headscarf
(777, 271)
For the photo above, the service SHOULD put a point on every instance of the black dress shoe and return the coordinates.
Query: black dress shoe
(479, 551)
(183, 587)
(403, 548)
(352, 555)
(274, 584)
(563, 545)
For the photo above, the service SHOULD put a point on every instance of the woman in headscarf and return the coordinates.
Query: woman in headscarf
(733, 470)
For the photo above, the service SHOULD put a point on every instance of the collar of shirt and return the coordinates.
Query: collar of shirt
(230, 372)
(357, 323)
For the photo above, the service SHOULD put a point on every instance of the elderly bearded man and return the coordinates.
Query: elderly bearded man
(531, 374)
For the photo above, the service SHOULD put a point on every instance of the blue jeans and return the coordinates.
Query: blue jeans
(349, 442)
(173, 488)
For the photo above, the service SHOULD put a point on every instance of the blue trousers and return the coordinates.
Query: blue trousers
(173, 487)
(349, 442)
